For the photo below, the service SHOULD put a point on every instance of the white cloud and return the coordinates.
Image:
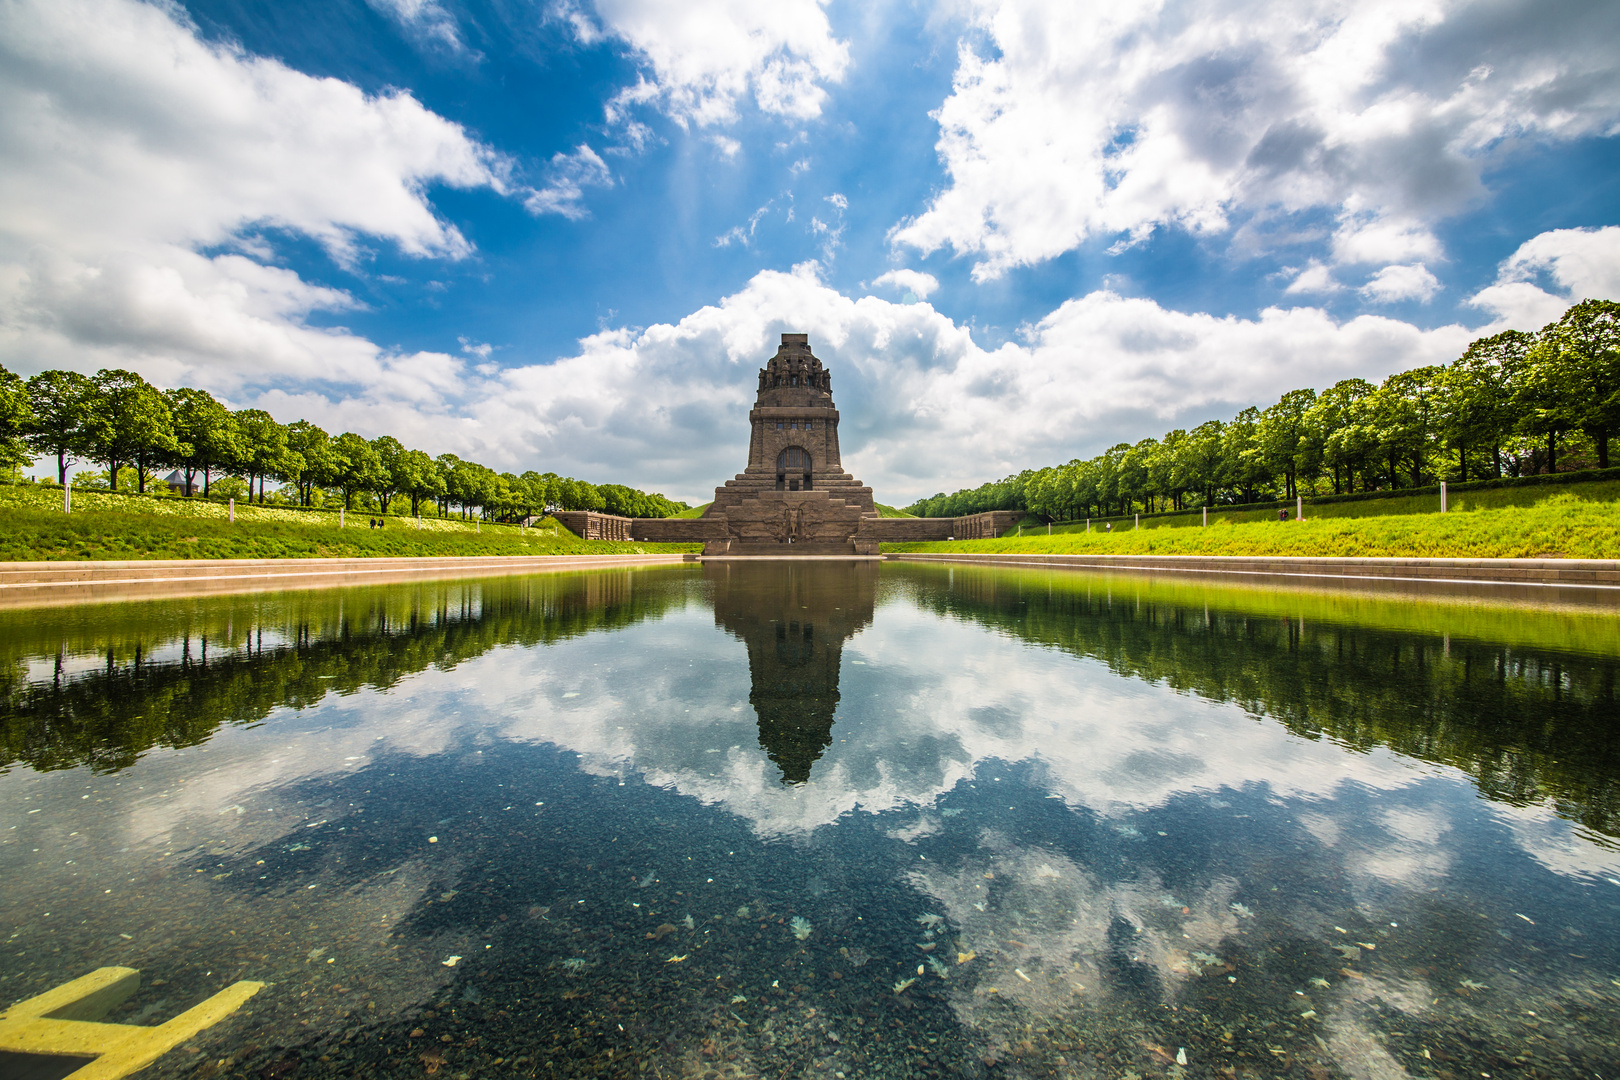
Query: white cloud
(704, 56)
(425, 20)
(728, 147)
(1079, 120)
(1574, 264)
(912, 281)
(924, 406)
(567, 177)
(1317, 277)
(1393, 284)
(130, 146)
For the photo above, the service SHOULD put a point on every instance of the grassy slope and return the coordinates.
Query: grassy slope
(107, 526)
(892, 511)
(695, 512)
(1564, 524)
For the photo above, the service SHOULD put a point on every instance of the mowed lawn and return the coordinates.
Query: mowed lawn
(105, 526)
(1564, 524)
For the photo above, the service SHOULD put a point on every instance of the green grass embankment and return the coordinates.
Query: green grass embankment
(892, 511)
(107, 526)
(1562, 524)
(695, 512)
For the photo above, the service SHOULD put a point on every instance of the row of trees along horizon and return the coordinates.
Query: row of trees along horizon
(1514, 404)
(120, 421)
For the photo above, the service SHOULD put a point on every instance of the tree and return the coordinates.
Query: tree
(133, 426)
(418, 476)
(1280, 437)
(388, 450)
(205, 432)
(1332, 428)
(16, 418)
(262, 449)
(1202, 460)
(316, 461)
(1475, 397)
(1246, 466)
(1579, 357)
(62, 406)
(359, 468)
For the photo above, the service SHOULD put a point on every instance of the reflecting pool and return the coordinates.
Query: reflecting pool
(826, 819)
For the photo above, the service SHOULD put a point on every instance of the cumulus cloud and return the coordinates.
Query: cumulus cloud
(1549, 272)
(924, 406)
(1074, 121)
(1317, 277)
(130, 147)
(1393, 284)
(701, 58)
(915, 282)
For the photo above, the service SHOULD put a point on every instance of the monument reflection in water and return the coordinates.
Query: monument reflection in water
(799, 819)
(795, 618)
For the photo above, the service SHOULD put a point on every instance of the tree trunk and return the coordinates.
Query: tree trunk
(61, 467)
(1496, 457)
(140, 478)
(1552, 451)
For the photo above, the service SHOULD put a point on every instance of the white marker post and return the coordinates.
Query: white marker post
(340, 516)
(1138, 521)
(1442, 496)
(1088, 524)
(67, 496)
(1048, 528)
(1206, 517)
(1299, 508)
(233, 509)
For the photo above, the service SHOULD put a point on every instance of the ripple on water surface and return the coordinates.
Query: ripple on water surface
(777, 819)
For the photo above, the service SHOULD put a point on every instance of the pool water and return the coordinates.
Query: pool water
(826, 819)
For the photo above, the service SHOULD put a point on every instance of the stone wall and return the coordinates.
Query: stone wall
(589, 525)
(678, 530)
(913, 530)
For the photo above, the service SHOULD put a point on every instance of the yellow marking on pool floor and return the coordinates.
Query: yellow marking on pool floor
(64, 1021)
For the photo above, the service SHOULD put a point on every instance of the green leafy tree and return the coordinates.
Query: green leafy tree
(1332, 427)
(63, 410)
(1281, 438)
(389, 451)
(133, 426)
(1578, 359)
(1203, 460)
(16, 419)
(312, 460)
(262, 449)
(358, 467)
(418, 477)
(205, 432)
(1476, 397)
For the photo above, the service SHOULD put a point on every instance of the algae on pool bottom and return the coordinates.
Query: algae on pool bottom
(808, 819)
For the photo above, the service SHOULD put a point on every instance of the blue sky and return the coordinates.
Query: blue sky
(563, 235)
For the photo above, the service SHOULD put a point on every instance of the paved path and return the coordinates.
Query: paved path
(31, 584)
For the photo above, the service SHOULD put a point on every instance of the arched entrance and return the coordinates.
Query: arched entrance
(793, 469)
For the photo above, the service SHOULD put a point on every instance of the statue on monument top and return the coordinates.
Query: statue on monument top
(794, 367)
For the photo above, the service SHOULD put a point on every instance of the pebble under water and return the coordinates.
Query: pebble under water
(831, 819)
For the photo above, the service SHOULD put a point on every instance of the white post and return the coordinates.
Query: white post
(1088, 524)
(1442, 496)
(1206, 517)
(1048, 528)
(233, 509)
(477, 526)
(67, 496)
(1299, 507)
(1138, 521)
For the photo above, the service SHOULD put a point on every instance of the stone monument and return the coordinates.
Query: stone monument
(794, 492)
(794, 498)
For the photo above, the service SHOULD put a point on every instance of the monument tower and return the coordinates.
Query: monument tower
(794, 490)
